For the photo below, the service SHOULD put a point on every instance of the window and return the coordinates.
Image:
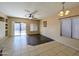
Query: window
(33, 27)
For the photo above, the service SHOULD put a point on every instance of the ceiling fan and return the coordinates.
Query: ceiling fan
(29, 14)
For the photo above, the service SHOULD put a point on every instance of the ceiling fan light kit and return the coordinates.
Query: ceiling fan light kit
(29, 14)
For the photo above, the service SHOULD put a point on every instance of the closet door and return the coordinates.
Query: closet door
(66, 27)
(75, 27)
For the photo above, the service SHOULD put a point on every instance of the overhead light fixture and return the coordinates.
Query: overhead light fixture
(29, 14)
(64, 12)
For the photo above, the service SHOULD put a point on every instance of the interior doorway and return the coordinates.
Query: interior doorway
(19, 28)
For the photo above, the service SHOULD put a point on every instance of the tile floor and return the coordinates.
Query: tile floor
(17, 46)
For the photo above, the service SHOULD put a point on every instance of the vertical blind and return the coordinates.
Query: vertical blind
(66, 27)
(75, 27)
(70, 27)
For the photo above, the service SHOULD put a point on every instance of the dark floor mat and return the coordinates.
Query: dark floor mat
(37, 39)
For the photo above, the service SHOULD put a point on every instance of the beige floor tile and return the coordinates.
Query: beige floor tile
(48, 53)
(61, 54)
(51, 52)
(76, 54)
(56, 50)
(68, 51)
(37, 51)
(43, 48)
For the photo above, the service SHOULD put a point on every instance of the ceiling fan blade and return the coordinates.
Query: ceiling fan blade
(25, 15)
(34, 12)
(30, 14)
(27, 10)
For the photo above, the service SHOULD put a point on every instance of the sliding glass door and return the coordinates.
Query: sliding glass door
(70, 27)
(75, 26)
(22, 28)
(66, 27)
(19, 29)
